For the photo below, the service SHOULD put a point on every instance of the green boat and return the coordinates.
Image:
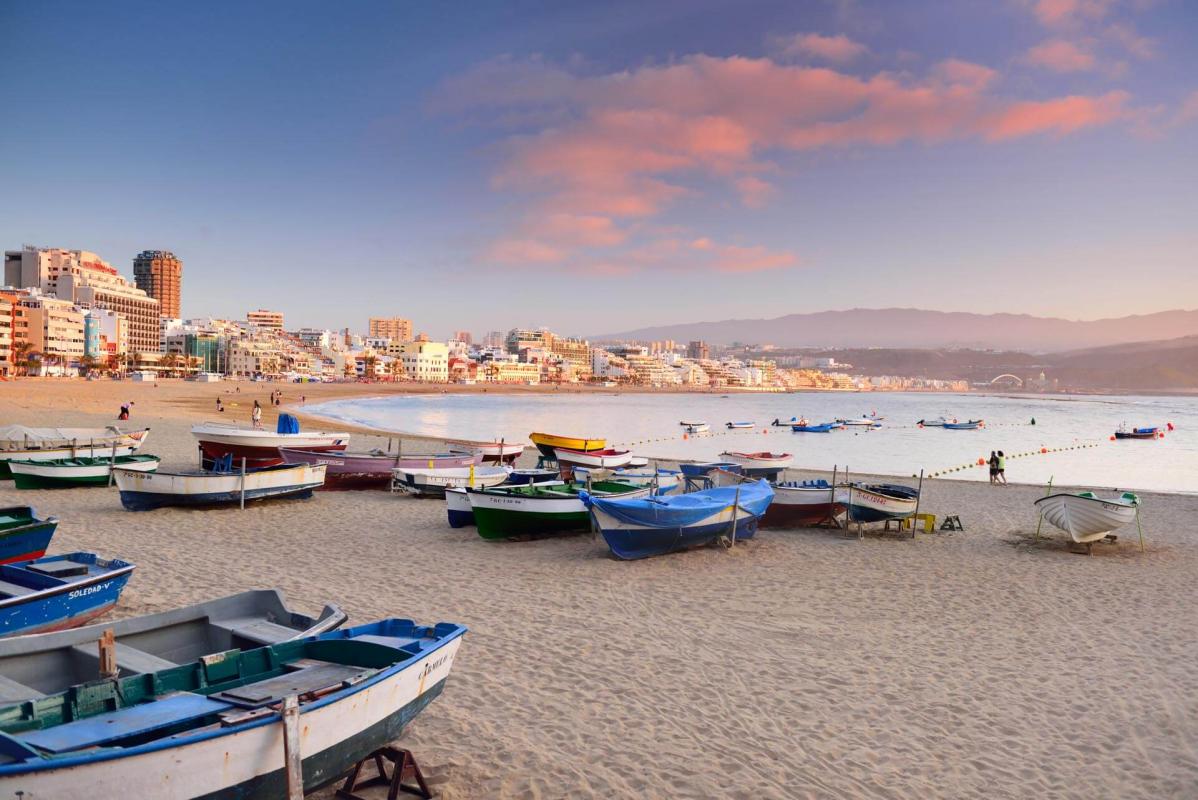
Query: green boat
(505, 512)
(65, 473)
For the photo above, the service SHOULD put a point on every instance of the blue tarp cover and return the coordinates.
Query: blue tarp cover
(288, 424)
(684, 509)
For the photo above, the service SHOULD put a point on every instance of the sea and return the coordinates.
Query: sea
(1069, 442)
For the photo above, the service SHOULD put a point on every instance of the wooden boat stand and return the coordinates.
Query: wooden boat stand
(404, 767)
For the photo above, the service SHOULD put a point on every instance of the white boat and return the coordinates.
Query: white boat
(435, 481)
(596, 459)
(738, 425)
(877, 502)
(142, 491)
(70, 472)
(1086, 517)
(760, 462)
(862, 422)
(496, 451)
(938, 422)
(21, 443)
(698, 427)
(690, 423)
(260, 447)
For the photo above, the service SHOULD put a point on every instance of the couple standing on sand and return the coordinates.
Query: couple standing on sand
(998, 467)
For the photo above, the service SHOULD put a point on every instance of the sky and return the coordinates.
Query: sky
(601, 167)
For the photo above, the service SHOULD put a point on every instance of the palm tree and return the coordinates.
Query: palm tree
(369, 363)
(170, 362)
(20, 355)
(396, 369)
(88, 363)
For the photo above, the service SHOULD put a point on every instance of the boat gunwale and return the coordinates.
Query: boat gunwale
(51, 591)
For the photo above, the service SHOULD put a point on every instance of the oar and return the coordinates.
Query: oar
(1139, 527)
(1047, 492)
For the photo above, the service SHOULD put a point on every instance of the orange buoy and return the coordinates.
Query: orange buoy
(981, 461)
(1112, 437)
(1043, 450)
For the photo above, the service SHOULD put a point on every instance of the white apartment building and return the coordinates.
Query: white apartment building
(424, 361)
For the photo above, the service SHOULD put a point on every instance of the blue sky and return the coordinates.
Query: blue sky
(597, 168)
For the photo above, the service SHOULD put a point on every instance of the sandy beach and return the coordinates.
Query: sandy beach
(800, 664)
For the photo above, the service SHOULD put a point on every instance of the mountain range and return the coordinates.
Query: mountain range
(919, 328)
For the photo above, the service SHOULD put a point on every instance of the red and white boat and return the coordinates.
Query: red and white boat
(259, 447)
(492, 452)
(760, 462)
(595, 459)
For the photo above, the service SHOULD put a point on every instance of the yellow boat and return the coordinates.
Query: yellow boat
(545, 442)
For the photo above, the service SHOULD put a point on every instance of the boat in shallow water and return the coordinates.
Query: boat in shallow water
(70, 473)
(57, 592)
(42, 664)
(650, 526)
(23, 535)
(215, 726)
(21, 443)
(143, 491)
(1085, 516)
(519, 511)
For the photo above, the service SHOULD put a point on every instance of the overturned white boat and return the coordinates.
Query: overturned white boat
(1085, 516)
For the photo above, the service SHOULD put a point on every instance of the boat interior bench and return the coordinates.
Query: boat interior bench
(110, 728)
(259, 631)
(313, 677)
(14, 589)
(128, 659)
(13, 692)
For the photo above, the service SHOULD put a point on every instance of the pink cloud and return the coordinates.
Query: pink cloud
(624, 147)
(1065, 13)
(1060, 55)
(1061, 116)
(1130, 40)
(838, 49)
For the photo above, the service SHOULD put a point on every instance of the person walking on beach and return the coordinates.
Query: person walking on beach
(256, 415)
(1002, 468)
(993, 467)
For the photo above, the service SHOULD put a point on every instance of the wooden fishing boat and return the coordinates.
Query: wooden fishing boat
(666, 481)
(260, 448)
(760, 465)
(460, 513)
(879, 502)
(971, 425)
(1123, 432)
(738, 425)
(372, 470)
(519, 477)
(518, 511)
(822, 427)
(547, 443)
(497, 452)
(608, 458)
(20, 443)
(57, 592)
(143, 491)
(34, 666)
(704, 468)
(23, 535)
(215, 726)
(434, 482)
(68, 473)
(801, 504)
(642, 527)
(1085, 516)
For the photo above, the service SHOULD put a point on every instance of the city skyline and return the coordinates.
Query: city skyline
(557, 165)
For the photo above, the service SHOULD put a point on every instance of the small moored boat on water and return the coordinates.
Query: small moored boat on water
(434, 482)
(1085, 516)
(57, 592)
(34, 666)
(547, 443)
(21, 443)
(698, 427)
(821, 427)
(739, 425)
(372, 470)
(1124, 432)
(937, 422)
(215, 726)
(23, 535)
(143, 491)
(878, 502)
(860, 422)
(971, 425)
(650, 526)
(517, 511)
(260, 447)
(69, 473)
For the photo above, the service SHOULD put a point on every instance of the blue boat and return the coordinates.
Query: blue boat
(823, 427)
(521, 477)
(653, 526)
(224, 725)
(23, 535)
(702, 469)
(971, 425)
(58, 592)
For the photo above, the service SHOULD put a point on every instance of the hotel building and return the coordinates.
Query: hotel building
(397, 329)
(83, 278)
(272, 320)
(55, 327)
(159, 273)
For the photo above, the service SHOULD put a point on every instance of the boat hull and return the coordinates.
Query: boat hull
(864, 505)
(347, 471)
(458, 508)
(547, 443)
(803, 506)
(26, 541)
(501, 515)
(55, 476)
(68, 605)
(247, 762)
(144, 491)
(433, 483)
(632, 542)
(126, 445)
(1085, 519)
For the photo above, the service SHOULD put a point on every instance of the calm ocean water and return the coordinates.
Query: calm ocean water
(648, 423)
